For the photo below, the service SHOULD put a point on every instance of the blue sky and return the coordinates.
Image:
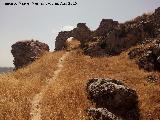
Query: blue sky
(44, 22)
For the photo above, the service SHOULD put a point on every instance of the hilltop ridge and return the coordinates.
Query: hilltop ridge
(91, 74)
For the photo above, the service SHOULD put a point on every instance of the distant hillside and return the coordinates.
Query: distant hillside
(5, 69)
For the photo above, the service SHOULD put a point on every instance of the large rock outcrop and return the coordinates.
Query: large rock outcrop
(113, 95)
(111, 37)
(25, 52)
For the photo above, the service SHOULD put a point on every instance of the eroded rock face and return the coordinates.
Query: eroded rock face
(25, 52)
(114, 96)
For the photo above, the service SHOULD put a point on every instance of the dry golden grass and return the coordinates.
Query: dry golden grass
(18, 88)
(66, 97)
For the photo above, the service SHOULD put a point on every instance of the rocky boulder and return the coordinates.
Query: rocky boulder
(25, 52)
(114, 96)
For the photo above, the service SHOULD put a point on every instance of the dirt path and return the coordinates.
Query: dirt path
(36, 101)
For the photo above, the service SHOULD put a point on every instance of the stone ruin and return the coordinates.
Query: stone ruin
(111, 37)
(25, 52)
(81, 33)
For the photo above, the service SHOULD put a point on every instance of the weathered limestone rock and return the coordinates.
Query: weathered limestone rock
(114, 96)
(25, 52)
